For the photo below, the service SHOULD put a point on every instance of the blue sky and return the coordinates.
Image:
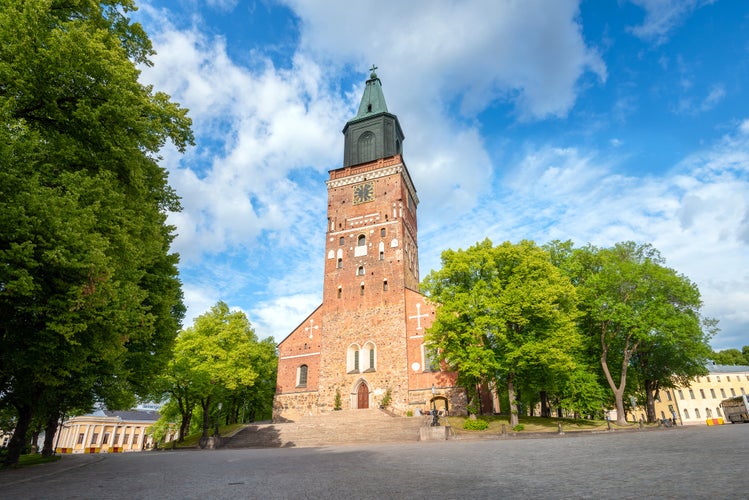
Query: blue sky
(596, 121)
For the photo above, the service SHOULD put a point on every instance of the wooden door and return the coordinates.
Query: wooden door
(363, 396)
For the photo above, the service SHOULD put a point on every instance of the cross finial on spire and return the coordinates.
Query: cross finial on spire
(373, 75)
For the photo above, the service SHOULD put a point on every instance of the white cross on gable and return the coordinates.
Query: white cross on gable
(310, 327)
(418, 316)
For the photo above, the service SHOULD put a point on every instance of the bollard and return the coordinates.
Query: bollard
(504, 429)
(559, 428)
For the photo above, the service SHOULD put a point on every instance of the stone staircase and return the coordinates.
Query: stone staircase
(339, 427)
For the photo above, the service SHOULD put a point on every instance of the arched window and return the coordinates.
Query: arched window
(352, 359)
(696, 413)
(360, 271)
(382, 232)
(361, 241)
(686, 413)
(384, 285)
(340, 241)
(339, 264)
(340, 292)
(366, 146)
(301, 376)
(361, 289)
(369, 360)
(708, 412)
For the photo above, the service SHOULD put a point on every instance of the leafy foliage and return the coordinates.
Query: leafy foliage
(89, 293)
(475, 424)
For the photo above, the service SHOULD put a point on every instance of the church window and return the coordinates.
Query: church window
(301, 376)
(385, 285)
(366, 147)
(369, 357)
(382, 232)
(361, 290)
(340, 292)
(339, 264)
(352, 359)
(341, 241)
(361, 241)
(382, 255)
(431, 359)
(360, 271)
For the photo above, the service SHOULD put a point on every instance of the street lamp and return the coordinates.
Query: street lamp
(218, 420)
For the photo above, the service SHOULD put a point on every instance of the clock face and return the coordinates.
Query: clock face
(363, 193)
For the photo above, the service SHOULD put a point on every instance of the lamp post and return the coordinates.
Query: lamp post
(435, 418)
(218, 420)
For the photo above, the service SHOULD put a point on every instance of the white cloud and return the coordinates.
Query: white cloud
(662, 16)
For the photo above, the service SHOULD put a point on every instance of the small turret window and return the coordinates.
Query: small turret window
(362, 241)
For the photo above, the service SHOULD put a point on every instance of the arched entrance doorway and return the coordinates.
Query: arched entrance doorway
(440, 404)
(362, 396)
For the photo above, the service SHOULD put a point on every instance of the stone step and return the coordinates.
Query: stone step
(353, 426)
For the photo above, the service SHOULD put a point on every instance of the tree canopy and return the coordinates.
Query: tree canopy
(89, 293)
(505, 313)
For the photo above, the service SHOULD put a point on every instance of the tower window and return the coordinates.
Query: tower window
(361, 241)
(382, 232)
(361, 290)
(360, 271)
(382, 255)
(385, 286)
(339, 264)
(340, 292)
(341, 241)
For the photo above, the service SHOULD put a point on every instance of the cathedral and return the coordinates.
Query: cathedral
(363, 347)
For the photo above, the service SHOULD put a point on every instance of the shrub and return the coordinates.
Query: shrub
(387, 398)
(518, 428)
(409, 413)
(476, 425)
(337, 402)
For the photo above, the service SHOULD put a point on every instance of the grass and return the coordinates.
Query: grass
(193, 440)
(533, 424)
(32, 459)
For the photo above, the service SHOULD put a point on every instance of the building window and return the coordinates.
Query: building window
(361, 290)
(126, 439)
(708, 412)
(708, 379)
(722, 393)
(385, 285)
(681, 394)
(94, 438)
(712, 393)
(686, 413)
(668, 395)
(658, 396)
(361, 241)
(382, 255)
(382, 232)
(340, 292)
(360, 271)
(301, 376)
(370, 357)
(728, 378)
(702, 393)
(352, 359)
(717, 411)
(717, 378)
(733, 392)
(339, 264)
(743, 391)
(431, 359)
(80, 438)
(696, 413)
(341, 241)
(691, 393)
(663, 415)
(135, 438)
(106, 438)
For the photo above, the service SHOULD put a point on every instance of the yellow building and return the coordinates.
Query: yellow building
(699, 403)
(107, 431)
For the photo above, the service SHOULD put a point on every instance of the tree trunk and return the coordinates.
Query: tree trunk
(651, 387)
(49, 434)
(621, 417)
(513, 403)
(545, 408)
(206, 404)
(18, 442)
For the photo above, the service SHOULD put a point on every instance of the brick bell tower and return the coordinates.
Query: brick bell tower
(366, 340)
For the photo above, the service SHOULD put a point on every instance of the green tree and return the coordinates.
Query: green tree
(505, 313)
(638, 312)
(729, 357)
(89, 293)
(216, 360)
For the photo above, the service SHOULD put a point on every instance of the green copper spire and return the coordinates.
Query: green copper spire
(373, 101)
